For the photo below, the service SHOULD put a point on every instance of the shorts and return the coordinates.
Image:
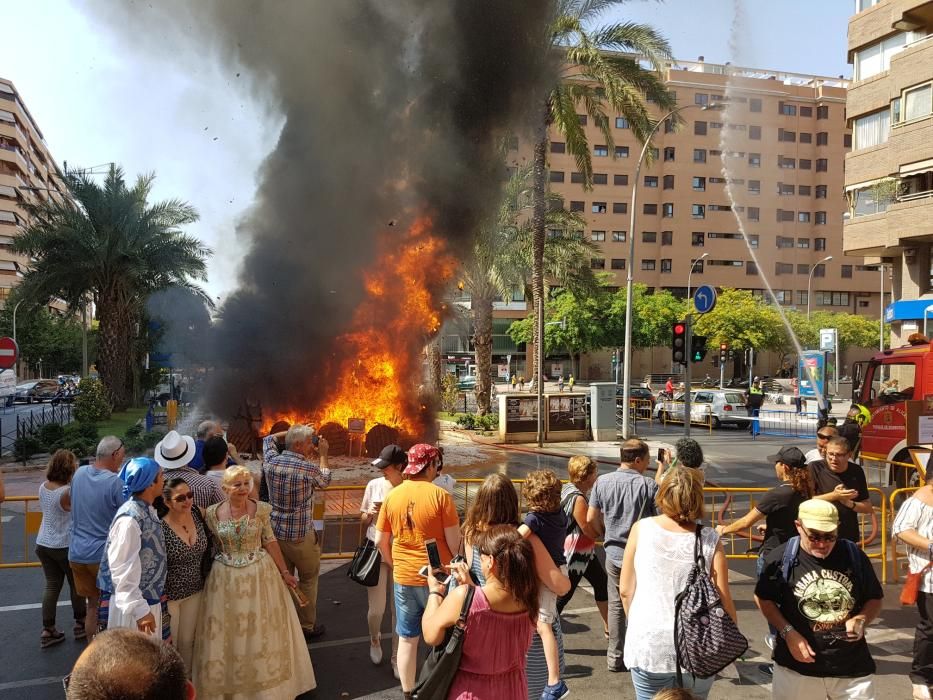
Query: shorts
(85, 576)
(410, 602)
(547, 601)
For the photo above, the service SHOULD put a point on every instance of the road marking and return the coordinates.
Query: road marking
(29, 606)
(48, 680)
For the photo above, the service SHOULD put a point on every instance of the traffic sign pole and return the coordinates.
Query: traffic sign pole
(688, 356)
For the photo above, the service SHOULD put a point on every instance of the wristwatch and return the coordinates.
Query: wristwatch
(785, 630)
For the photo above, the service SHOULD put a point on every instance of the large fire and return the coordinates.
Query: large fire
(377, 364)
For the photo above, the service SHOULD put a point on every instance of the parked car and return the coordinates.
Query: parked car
(36, 390)
(726, 407)
(467, 383)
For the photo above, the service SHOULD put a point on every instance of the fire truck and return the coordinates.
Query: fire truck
(883, 385)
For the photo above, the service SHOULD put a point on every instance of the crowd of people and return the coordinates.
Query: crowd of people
(215, 589)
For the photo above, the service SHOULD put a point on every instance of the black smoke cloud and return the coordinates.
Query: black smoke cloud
(392, 108)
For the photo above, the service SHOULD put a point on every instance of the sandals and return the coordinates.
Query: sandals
(50, 637)
(79, 631)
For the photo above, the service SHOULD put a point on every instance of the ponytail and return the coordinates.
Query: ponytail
(515, 564)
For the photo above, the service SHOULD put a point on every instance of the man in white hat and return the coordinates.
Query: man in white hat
(174, 453)
(820, 592)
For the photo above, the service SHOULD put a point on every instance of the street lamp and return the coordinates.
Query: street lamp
(689, 275)
(629, 278)
(14, 317)
(810, 280)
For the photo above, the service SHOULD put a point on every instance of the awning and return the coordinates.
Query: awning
(908, 310)
(921, 166)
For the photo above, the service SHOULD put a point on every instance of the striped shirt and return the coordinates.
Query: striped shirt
(291, 480)
(914, 514)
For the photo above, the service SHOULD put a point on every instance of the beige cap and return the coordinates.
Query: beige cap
(816, 514)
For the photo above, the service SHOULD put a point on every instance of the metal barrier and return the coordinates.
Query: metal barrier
(639, 409)
(786, 423)
(898, 549)
(879, 470)
(700, 414)
(32, 520)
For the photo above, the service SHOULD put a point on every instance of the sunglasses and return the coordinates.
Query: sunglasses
(820, 536)
(114, 453)
(821, 436)
(181, 498)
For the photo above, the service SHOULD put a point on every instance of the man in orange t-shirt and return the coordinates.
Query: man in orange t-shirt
(414, 511)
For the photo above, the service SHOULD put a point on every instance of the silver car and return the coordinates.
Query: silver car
(722, 406)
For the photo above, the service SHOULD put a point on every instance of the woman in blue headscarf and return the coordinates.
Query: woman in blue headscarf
(132, 570)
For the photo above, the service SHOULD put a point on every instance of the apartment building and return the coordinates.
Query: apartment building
(889, 171)
(28, 173)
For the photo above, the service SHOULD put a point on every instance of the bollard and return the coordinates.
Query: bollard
(171, 413)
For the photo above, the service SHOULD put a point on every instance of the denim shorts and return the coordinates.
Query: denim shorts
(410, 602)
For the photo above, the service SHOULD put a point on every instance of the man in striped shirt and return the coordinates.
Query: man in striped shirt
(292, 477)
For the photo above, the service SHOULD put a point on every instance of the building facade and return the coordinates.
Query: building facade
(889, 171)
(28, 174)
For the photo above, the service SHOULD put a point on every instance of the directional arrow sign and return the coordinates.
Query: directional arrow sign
(704, 298)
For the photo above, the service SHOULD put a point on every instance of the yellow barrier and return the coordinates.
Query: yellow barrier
(877, 470)
(666, 418)
(898, 550)
(641, 409)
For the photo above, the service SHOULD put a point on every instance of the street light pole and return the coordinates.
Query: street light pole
(810, 280)
(14, 317)
(689, 275)
(630, 280)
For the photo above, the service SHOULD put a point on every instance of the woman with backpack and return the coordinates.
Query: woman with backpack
(659, 557)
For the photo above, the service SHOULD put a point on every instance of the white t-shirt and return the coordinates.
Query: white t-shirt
(375, 492)
(446, 482)
(812, 456)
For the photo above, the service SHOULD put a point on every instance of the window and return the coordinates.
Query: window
(620, 179)
(803, 243)
(877, 58)
(618, 236)
(601, 151)
(752, 239)
(783, 268)
(650, 210)
(582, 119)
(787, 110)
(753, 213)
(701, 99)
(667, 238)
(699, 128)
(668, 154)
(803, 190)
(557, 176)
(697, 239)
(618, 263)
(597, 263)
(786, 163)
(715, 125)
(867, 202)
(788, 136)
(801, 298)
(822, 138)
(803, 269)
(785, 189)
(620, 207)
(822, 165)
(665, 266)
(806, 137)
(667, 210)
(599, 208)
(822, 112)
(654, 153)
(576, 206)
(819, 244)
(621, 123)
(783, 296)
(821, 191)
(803, 217)
(806, 111)
(621, 151)
(754, 104)
(918, 102)
(862, 5)
(649, 237)
(784, 242)
(651, 181)
(600, 179)
(845, 271)
(831, 298)
(751, 268)
(819, 218)
(647, 264)
(576, 177)
(669, 126)
(698, 211)
(699, 155)
(597, 236)
(668, 182)
(754, 132)
(785, 215)
(804, 163)
(699, 184)
(558, 147)
(698, 267)
(754, 160)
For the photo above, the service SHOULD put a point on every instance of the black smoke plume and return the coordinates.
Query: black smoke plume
(393, 108)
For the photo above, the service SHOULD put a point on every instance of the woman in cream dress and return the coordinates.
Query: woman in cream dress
(249, 643)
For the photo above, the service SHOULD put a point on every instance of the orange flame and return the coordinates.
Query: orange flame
(378, 362)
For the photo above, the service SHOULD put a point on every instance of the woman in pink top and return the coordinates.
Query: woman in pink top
(501, 620)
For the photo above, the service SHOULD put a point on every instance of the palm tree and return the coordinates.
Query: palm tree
(111, 245)
(593, 79)
(500, 259)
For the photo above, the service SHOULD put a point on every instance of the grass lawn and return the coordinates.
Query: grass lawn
(120, 422)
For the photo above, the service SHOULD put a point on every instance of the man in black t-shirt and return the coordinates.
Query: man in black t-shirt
(820, 598)
(843, 483)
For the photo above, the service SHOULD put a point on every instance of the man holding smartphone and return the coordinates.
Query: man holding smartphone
(413, 514)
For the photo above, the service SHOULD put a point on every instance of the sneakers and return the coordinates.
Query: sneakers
(555, 692)
(767, 669)
(375, 654)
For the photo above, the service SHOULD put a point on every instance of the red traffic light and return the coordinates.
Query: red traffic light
(678, 329)
(723, 346)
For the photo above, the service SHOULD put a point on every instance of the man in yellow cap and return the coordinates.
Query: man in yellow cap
(820, 592)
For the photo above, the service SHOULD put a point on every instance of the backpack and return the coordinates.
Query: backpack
(858, 568)
(706, 639)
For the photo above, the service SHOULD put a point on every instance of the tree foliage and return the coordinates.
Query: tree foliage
(41, 335)
(743, 321)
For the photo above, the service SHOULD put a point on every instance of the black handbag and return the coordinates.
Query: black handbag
(443, 661)
(364, 567)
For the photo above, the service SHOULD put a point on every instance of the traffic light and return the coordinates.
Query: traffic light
(698, 348)
(679, 342)
(723, 353)
(731, 355)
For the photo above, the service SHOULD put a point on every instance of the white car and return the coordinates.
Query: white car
(725, 406)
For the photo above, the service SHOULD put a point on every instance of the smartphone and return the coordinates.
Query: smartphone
(315, 440)
(662, 453)
(439, 574)
(434, 554)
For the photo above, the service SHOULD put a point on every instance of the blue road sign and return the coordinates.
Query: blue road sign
(704, 298)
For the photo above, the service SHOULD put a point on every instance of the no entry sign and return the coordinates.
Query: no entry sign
(9, 353)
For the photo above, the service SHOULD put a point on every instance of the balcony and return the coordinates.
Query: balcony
(910, 218)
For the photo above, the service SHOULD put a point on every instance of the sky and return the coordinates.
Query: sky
(204, 132)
